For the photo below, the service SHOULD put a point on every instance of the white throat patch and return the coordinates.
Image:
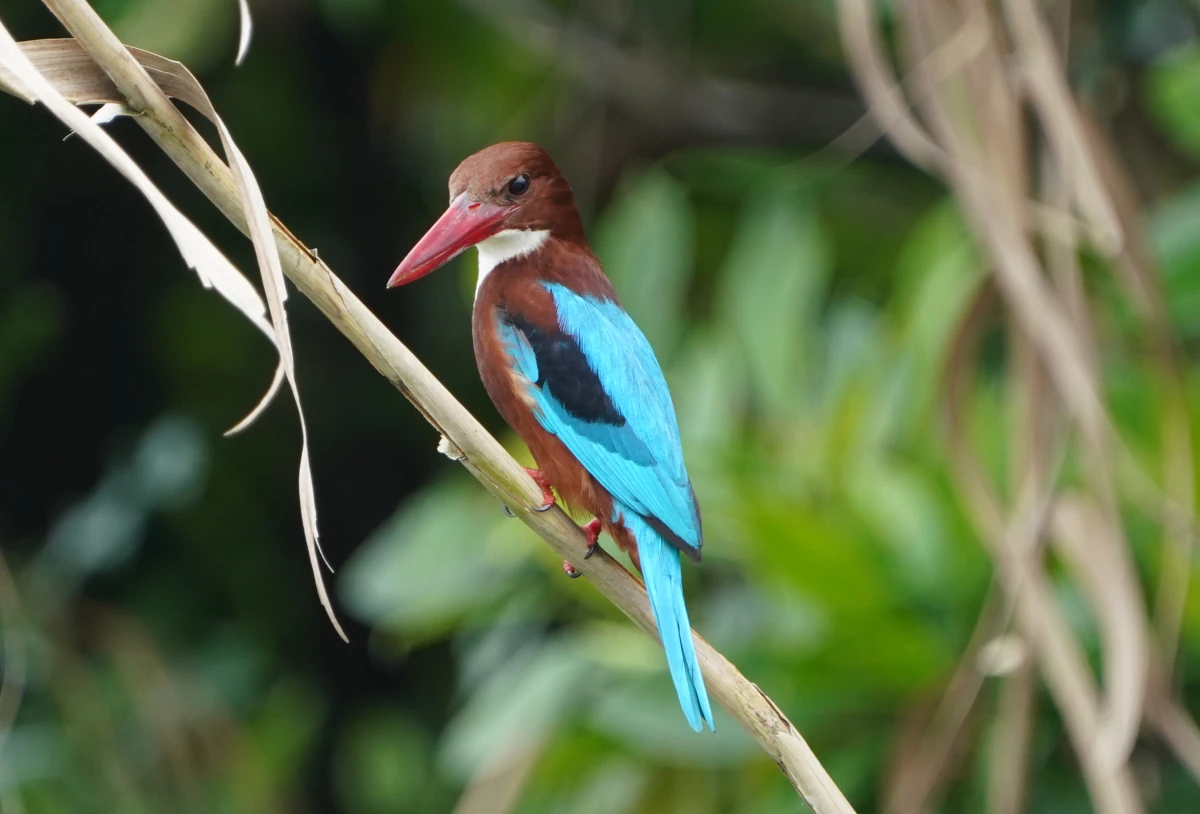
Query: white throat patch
(507, 245)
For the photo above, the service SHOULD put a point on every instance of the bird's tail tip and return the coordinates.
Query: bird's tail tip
(664, 583)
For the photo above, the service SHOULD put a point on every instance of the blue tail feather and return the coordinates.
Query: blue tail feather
(664, 583)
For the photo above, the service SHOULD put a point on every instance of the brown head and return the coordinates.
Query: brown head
(512, 188)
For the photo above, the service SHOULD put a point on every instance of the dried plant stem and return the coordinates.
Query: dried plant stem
(1012, 544)
(483, 455)
(1008, 759)
(975, 128)
(927, 760)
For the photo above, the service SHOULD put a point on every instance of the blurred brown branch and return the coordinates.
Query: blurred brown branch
(1006, 118)
(666, 97)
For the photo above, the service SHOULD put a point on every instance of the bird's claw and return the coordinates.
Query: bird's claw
(592, 531)
(507, 510)
(547, 492)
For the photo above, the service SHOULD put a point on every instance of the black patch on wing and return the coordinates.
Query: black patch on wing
(564, 372)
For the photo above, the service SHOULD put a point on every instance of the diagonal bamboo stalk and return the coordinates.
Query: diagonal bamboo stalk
(482, 455)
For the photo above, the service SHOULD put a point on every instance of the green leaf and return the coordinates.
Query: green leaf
(1175, 235)
(1173, 95)
(936, 273)
(523, 701)
(433, 562)
(771, 290)
(904, 513)
(286, 725)
(614, 787)
(708, 387)
(642, 713)
(383, 758)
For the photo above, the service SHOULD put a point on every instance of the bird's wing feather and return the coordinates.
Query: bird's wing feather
(598, 387)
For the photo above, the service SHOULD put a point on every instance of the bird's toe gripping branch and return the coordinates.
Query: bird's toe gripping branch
(592, 530)
(547, 492)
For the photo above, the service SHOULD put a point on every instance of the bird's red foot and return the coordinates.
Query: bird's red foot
(547, 492)
(592, 530)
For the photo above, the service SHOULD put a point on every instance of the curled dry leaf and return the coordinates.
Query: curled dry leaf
(247, 28)
(59, 71)
(268, 396)
(273, 283)
(215, 271)
(69, 69)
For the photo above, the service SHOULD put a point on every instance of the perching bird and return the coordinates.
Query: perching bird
(574, 376)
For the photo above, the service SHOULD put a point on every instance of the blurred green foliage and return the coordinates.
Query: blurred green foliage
(803, 311)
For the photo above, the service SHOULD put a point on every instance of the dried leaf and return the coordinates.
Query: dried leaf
(81, 81)
(246, 30)
(267, 398)
(76, 76)
(259, 223)
(108, 112)
(214, 269)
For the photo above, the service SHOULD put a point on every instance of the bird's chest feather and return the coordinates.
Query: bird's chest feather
(524, 352)
(524, 357)
(507, 363)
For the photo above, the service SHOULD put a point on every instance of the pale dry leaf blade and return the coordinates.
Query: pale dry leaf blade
(108, 111)
(259, 223)
(246, 29)
(267, 398)
(212, 267)
(10, 84)
(308, 505)
(87, 82)
(200, 254)
(75, 75)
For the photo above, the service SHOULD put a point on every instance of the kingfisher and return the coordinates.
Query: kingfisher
(574, 376)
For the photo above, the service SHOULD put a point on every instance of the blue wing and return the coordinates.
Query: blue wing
(598, 388)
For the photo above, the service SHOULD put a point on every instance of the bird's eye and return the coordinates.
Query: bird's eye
(519, 185)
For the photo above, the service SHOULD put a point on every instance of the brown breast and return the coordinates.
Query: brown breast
(517, 287)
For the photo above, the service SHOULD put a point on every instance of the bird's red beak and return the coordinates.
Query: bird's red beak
(463, 225)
